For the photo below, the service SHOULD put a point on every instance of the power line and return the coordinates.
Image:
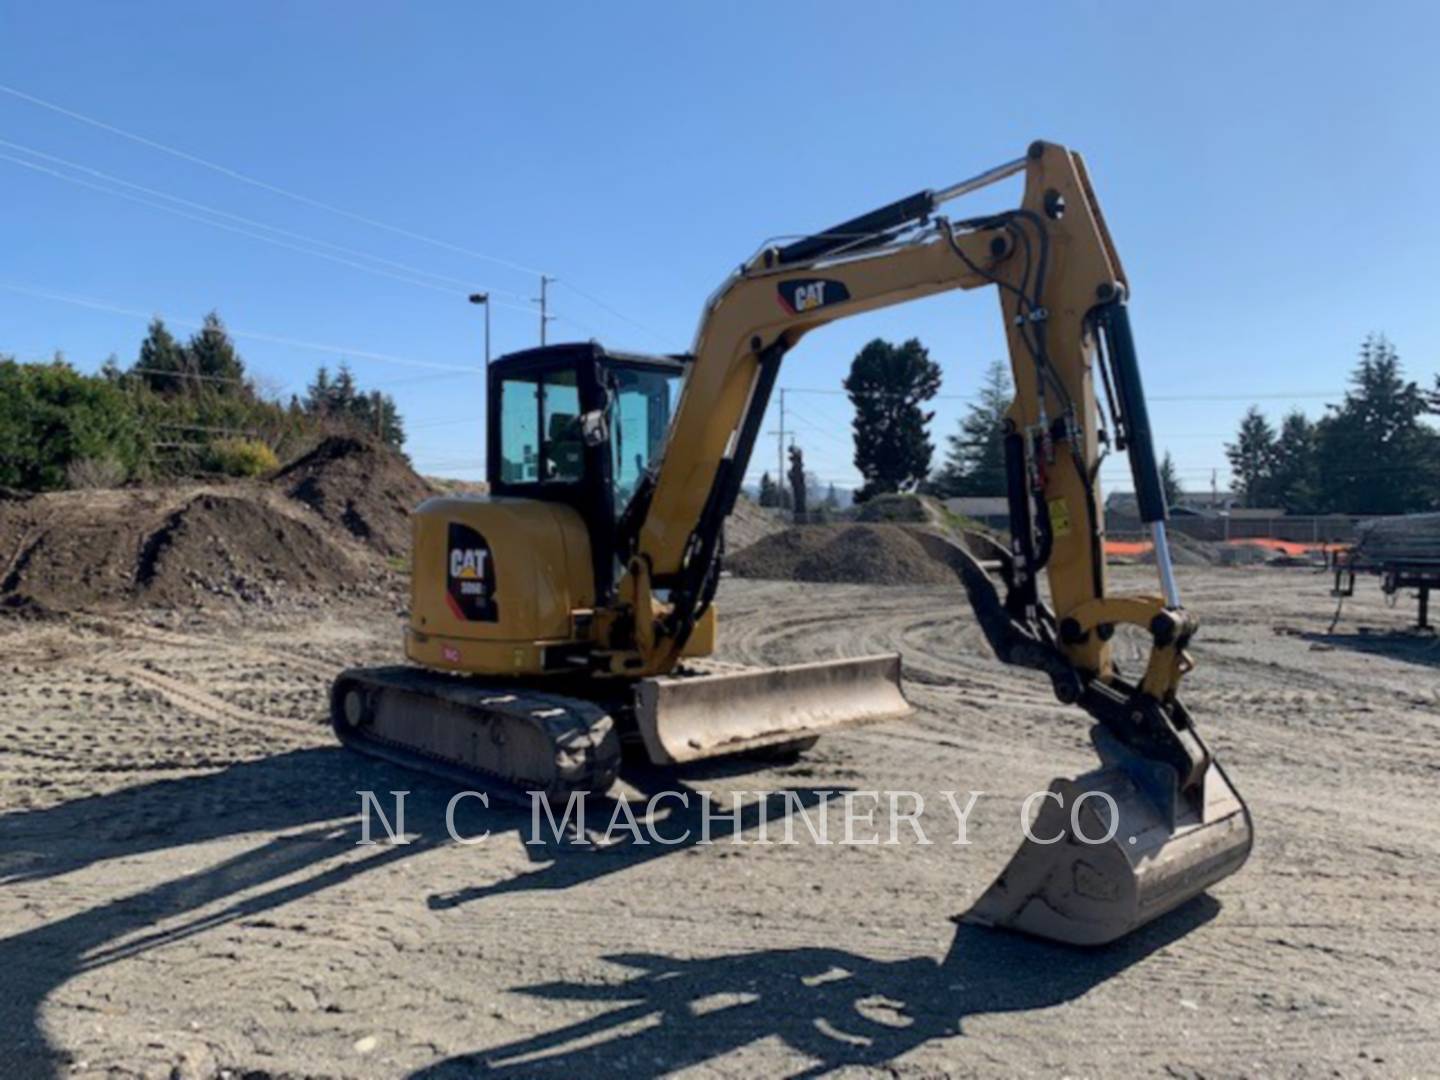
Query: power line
(618, 314)
(448, 422)
(275, 189)
(1266, 396)
(816, 428)
(339, 350)
(237, 229)
(876, 393)
(457, 283)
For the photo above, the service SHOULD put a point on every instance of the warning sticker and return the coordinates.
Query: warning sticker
(1059, 517)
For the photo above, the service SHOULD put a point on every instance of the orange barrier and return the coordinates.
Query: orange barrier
(1127, 548)
(1132, 549)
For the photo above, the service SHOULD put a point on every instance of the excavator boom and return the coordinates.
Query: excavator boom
(1173, 823)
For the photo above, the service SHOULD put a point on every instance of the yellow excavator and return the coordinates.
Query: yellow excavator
(571, 610)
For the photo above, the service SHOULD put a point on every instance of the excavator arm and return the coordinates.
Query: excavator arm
(1177, 823)
(1062, 294)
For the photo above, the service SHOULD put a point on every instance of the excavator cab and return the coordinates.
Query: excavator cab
(581, 426)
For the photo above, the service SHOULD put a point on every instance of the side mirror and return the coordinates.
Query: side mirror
(593, 428)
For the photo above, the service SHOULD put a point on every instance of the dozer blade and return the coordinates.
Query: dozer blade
(686, 717)
(1161, 852)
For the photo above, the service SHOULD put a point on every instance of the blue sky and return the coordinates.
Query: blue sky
(1268, 172)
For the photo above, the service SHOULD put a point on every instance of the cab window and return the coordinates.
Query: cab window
(540, 438)
(519, 431)
(639, 421)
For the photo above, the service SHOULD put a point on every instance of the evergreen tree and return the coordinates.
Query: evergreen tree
(1170, 481)
(340, 399)
(377, 415)
(832, 498)
(1296, 480)
(212, 354)
(161, 361)
(1375, 455)
(797, 482)
(1252, 458)
(975, 464)
(767, 491)
(887, 385)
(343, 393)
(317, 394)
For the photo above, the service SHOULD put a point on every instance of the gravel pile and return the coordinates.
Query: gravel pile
(864, 554)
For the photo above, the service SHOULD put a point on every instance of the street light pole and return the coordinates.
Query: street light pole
(484, 298)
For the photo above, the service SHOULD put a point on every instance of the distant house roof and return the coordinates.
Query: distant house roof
(1205, 500)
(979, 506)
(1257, 511)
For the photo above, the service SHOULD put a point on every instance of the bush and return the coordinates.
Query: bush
(241, 457)
(51, 417)
(94, 472)
(896, 507)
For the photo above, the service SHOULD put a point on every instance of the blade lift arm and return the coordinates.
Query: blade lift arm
(1063, 296)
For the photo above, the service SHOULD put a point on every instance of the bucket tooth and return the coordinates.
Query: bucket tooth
(1062, 886)
(687, 717)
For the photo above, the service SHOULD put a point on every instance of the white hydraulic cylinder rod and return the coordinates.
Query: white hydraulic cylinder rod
(984, 179)
(1161, 542)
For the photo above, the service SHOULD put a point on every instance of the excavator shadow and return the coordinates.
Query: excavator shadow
(565, 864)
(295, 817)
(835, 1007)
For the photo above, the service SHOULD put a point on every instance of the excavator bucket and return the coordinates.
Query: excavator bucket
(1119, 846)
(689, 716)
(1115, 848)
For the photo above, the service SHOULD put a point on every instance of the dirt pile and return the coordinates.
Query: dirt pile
(1187, 551)
(864, 554)
(1245, 555)
(239, 548)
(170, 548)
(365, 488)
(750, 523)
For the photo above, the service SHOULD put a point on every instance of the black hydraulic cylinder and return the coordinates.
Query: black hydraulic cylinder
(849, 234)
(1125, 368)
(1022, 527)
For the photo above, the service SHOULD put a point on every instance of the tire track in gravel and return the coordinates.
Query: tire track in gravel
(199, 703)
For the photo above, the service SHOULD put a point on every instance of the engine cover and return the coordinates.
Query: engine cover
(495, 583)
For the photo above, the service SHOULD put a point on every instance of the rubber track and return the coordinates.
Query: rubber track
(586, 744)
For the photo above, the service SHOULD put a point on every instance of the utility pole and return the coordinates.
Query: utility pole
(779, 434)
(545, 282)
(484, 298)
(780, 441)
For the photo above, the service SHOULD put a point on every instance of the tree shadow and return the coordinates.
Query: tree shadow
(833, 1006)
(1411, 646)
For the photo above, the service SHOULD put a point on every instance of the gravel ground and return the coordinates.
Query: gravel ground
(183, 893)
